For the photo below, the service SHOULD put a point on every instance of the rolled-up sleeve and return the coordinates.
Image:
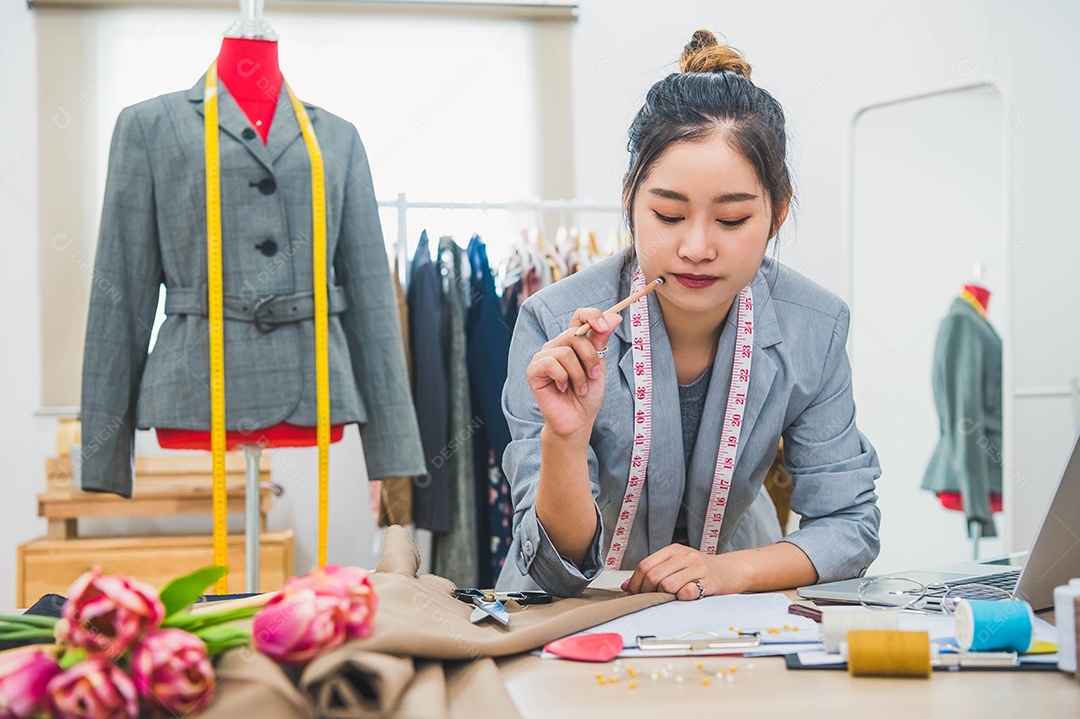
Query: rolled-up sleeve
(534, 553)
(834, 468)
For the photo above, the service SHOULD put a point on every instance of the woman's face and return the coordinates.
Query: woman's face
(702, 220)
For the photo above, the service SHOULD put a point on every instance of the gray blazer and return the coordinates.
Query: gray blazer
(153, 232)
(800, 389)
(967, 395)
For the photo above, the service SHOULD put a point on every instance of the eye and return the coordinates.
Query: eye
(667, 220)
(733, 223)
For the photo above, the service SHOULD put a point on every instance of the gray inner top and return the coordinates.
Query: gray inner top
(692, 404)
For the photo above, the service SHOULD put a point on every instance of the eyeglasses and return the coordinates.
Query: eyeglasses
(901, 593)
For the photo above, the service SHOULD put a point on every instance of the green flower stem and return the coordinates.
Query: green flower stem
(29, 620)
(19, 634)
(194, 622)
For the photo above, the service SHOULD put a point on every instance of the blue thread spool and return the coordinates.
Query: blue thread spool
(994, 626)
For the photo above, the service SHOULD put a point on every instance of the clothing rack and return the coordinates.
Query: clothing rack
(403, 204)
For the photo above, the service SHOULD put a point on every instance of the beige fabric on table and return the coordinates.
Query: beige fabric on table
(477, 688)
(354, 683)
(424, 659)
(427, 698)
(419, 617)
(250, 684)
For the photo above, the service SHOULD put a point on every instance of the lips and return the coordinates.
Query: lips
(696, 281)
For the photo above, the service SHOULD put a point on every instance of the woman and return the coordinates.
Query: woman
(693, 386)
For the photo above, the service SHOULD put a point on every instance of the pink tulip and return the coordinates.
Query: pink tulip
(93, 689)
(171, 671)
(24, 675)
(360, 617)
(107, 614)
(302, 621)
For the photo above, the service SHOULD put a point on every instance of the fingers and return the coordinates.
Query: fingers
(600, 325)
(561, 366)
(650, 573)
(570, 360)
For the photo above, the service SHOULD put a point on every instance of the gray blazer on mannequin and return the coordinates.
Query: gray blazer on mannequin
(800, 389)
(153, 232)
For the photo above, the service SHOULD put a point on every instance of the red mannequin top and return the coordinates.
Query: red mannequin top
(981, 295)
(249, 69)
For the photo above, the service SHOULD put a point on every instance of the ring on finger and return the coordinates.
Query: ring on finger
(602, 353)
(700, 589)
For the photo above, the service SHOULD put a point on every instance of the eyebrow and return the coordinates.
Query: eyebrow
(719, 200)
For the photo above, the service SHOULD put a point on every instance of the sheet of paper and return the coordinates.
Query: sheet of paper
(725, 616)
(820, 658)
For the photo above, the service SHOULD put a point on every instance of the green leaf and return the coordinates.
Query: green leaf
(194, 622)
(29, 620)
(71, 658)
(182, 592)
(222, 638)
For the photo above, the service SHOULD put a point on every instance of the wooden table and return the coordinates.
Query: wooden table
(764, 687)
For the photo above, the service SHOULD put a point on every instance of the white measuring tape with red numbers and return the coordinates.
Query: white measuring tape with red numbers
(729, 440)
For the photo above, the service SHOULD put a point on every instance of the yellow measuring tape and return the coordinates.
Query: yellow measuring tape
(322, 361)
(215, 313)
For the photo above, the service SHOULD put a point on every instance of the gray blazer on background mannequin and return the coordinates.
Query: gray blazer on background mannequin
(800, 389)
(153, 232)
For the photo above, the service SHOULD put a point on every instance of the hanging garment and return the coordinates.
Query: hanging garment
(431, 390)
(153, 231)
(967, 395)
(487, 351)
(394, 504)
(454, 553)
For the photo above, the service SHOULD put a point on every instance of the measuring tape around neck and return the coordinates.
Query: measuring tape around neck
(641, 347)
(215, 314)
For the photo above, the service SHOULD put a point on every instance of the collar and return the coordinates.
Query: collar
(284, 128)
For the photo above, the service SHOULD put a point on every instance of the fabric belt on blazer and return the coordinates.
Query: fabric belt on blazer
(267, 312)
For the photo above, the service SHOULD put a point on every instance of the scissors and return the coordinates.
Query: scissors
(491, 604)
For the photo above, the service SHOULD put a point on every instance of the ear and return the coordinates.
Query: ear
(781, 216)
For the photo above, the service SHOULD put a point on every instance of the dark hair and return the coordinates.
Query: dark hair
(711, 93)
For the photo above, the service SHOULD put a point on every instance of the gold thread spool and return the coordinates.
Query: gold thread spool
(888, 654)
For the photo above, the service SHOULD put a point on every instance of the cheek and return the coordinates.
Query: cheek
(654, 239)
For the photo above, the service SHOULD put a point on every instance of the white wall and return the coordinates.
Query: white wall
(826, 60)
(24, 438)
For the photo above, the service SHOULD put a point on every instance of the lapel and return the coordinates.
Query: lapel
(667, 470)
(284, 128)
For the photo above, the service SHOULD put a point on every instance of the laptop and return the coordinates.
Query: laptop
(1054, 557)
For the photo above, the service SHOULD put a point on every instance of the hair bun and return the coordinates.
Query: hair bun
(704, 53)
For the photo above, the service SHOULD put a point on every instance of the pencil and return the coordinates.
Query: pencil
(634, 297)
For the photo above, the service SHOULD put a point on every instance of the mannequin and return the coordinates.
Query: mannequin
(251, 254)
(979, 297)
(249, 69)
(965, 470)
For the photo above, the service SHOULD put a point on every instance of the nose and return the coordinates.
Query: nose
(696, 245)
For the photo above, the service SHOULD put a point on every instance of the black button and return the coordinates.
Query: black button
(267, 247)
(248, 134)
(268, 186)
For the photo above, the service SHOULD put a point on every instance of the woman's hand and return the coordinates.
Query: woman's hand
(567, 377)
(674, 568)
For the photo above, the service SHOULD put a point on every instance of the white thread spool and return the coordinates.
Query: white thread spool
(836, 623)
(1065, 620)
